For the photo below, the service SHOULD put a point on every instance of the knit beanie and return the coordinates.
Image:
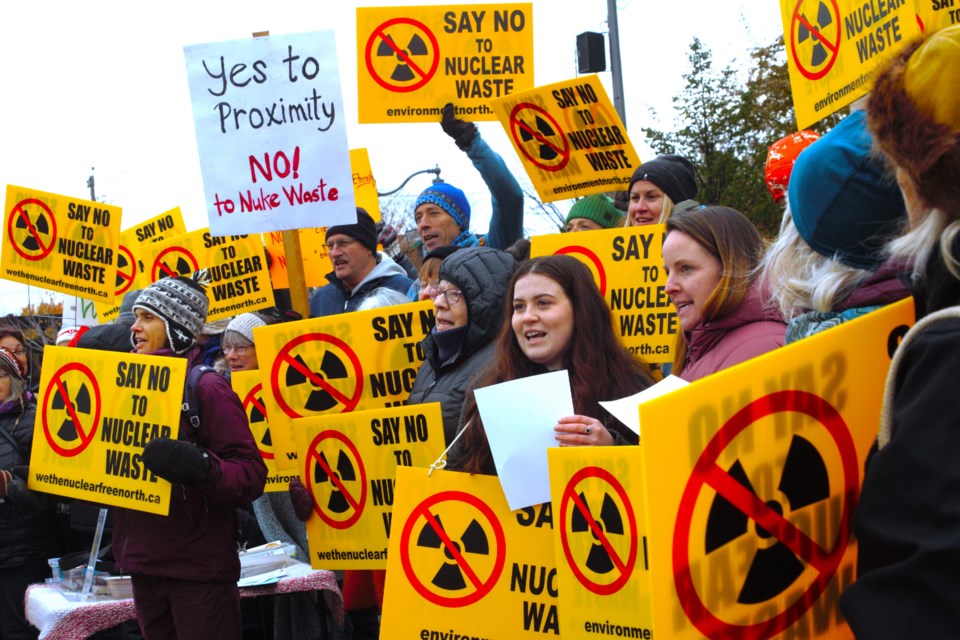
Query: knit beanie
(10, 364)
(671, 173)
(598, 208)
(66, 334)
(780, 159)
(450, 199)
(181, 302)
(364, 231)
(244, 324)
(843, 203)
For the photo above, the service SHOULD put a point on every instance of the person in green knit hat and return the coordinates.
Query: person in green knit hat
(596, 211)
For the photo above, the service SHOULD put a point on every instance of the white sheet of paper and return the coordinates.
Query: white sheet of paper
(625, 409)
(519, 417)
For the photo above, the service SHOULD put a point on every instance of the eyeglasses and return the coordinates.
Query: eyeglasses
(430, 288)
(240, 351)
(452, 296)
(339, 244)
(19, 352)
(4, 375)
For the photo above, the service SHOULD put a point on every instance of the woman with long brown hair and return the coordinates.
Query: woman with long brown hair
(558, 320)
(711, 256)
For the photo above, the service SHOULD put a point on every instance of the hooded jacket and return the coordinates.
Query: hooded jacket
(197, 540)
(482, 274)
(749, 331)
(333, 298)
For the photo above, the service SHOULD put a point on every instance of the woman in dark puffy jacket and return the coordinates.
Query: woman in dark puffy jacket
(28, 532)
(468, 306)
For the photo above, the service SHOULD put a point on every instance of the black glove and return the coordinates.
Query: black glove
(177, 461)
(302, 500)
(461, 131)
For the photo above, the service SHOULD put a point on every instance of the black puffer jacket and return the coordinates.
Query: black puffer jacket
(27, 519)
(482, 274)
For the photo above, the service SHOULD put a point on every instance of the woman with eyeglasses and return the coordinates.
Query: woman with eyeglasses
(13, 341)
(558, 320)
(28, 529)
(468, 308)
(237, 342)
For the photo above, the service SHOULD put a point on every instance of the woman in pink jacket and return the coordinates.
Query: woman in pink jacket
(711, 257)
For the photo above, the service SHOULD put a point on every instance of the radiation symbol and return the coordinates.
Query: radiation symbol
(305, 383)
(760, 536)
(126, 269)
(32, 229)
(815, 39)
(339, 490)
(804, 482)
(598, 533)
(173, 261)
(452, 549)
(402, 55)
(257, 418)
(539, 137)
(71, 409)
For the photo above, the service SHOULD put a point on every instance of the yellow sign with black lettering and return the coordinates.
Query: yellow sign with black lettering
(60, 243)
(336, 364)
(937, 14)
(413, 60)
(130, 267)
(96, 410)
(249, 389)
(461, 564)
(239, 279)
(627, 265)
(570, 138)
(313, 248)
(757, 470)
(348, 464)
(600, 542)
(834, 48)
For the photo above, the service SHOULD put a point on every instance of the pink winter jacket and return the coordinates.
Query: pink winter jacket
(751, 330)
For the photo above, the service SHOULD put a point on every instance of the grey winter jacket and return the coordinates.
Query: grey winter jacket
(333, 298)
(482, 274)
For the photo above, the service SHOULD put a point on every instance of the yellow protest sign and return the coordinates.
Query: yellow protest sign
(600, 542)
(336, 364)
(834, 47)
(60, 243)
(240, 281)
(628, 267)
(96, 410)
(569, 137)
(130, 267)
(349, 461)
(413, 60)
(937, 14)
(460, 562)
(249, 389)
(757, 470)
(316, 264)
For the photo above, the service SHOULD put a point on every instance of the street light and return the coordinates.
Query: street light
(436, 179)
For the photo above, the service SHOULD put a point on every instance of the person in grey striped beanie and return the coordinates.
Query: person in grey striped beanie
(181, 302)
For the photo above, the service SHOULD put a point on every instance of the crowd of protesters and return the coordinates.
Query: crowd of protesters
(870, 217)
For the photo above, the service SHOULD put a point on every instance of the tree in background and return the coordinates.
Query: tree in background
(725, 125)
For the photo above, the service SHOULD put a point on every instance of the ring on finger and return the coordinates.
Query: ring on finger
(586, 430)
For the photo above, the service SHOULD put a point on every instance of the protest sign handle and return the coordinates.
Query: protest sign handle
(296, 279)
(94, 552)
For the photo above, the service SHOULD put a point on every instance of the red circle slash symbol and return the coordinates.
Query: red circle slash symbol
(532, 127)
(340, 508)
(813, 52)
(33, 231)
(125, 259)
(778, 567)
(172, 262)
(405, 60)
(257, 418)
(84, 400)
(603, 523)
(292, 374)
(594, 260)
(455, 573)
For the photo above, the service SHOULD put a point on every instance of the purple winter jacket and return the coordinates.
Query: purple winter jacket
(751, 330)
(197, 540)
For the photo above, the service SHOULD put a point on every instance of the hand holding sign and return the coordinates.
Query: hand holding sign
(177, 461)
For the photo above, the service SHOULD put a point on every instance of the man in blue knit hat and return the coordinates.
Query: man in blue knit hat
(442, 211)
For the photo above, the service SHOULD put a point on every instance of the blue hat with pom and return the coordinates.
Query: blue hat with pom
(450, 199)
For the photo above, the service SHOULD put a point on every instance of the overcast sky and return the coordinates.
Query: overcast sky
(103, 84)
